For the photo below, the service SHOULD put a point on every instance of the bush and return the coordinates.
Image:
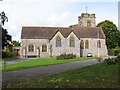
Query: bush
(7, 54)
(116, 51)
(118, 58)
(110, 61)
(66, 56)
(3, 54)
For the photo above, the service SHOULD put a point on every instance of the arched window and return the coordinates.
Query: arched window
(58, 42)
(44, 48)
(31, 48)
(86, 44)
(88, 22)
(82, 44)
(72, 42)
(99, 44)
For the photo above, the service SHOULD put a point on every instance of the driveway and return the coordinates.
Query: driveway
(28, 59)
(18, 61)
(39, 72)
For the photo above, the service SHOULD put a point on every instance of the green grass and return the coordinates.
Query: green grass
(95, 76)
(10, 59)
(41, 62)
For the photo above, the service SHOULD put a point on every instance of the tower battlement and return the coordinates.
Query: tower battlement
(87, 19)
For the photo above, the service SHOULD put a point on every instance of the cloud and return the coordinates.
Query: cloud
(47, 13)
(56, 19)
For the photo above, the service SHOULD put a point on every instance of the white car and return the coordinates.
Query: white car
(89, 55)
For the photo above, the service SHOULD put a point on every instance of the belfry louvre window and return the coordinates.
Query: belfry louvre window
(72, 42)
(86, 44)
(98, 44)
(44, 48)
(31, 48)
(82, 44)
(88, 22)
(58, 42)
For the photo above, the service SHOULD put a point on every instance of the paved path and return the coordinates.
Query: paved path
(28, 59)
(39, 72)
(18, 61)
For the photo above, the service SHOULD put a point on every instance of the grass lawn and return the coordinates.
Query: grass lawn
(95, 76)
(10, 59)
(42, 62)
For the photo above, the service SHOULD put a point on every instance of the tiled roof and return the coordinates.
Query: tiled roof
(49, 32)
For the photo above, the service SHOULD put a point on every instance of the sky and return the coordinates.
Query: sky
(54, 13)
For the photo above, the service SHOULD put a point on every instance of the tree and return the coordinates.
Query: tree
(15, 43)
(3, 18)
(111, 33)
(6, 38)
(73, 25)
(118, 38)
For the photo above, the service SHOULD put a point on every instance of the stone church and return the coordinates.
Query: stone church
(53, 41)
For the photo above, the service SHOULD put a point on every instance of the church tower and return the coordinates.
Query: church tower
(87, 19)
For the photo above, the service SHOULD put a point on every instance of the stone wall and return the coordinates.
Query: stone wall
(37, 44)
(65, 48)
(82, 20)
(93, 47)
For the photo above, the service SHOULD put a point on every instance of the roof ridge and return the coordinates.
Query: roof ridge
(86, 26)
(42, 27)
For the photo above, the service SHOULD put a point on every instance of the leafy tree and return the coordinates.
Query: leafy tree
(118, 38)
(15, 43)
(73, 25)
(111, 33)
(6, 38)
(7, 49)
(3, 18)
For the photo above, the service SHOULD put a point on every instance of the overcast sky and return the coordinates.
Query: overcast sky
(60, 13)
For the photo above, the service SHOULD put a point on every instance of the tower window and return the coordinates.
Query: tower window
(88, 22)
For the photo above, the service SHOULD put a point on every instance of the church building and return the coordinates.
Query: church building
(53, 41)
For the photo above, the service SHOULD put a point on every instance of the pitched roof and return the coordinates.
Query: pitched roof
(49, 32)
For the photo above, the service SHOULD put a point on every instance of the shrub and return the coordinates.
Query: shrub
(99, 59)
(116, 51)
(118, 58)
(3, 54)
(66, 56)
(7, 54)
(110, 61)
